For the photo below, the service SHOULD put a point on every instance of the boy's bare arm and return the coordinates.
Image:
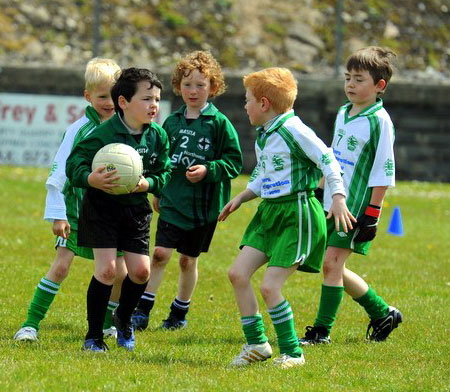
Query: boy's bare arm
(378, 193)
(235, 203)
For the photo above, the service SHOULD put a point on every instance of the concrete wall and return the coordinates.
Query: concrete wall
(420, 112)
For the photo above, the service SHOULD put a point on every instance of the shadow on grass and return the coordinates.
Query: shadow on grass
(185, 340)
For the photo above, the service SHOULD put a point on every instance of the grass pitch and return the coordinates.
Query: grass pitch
(411, 272)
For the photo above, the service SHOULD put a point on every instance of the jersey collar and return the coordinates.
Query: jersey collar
(92, 115)
(275, 123)
(208, 110)
(366, 112)
(120, 127)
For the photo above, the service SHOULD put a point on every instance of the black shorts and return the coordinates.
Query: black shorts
(187, 242)
(105, 223)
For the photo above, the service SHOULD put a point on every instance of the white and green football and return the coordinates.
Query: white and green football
(126, 160)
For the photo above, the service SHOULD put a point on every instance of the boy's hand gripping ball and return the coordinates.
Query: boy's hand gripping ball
(126, 160)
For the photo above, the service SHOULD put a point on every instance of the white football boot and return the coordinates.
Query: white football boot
(252, 353)
(26, 334)
(286, 361)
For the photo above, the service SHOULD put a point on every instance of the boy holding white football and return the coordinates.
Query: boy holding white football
(110, 222)
(288, 232)
(63, 201)
(205, 156)
(364, 145)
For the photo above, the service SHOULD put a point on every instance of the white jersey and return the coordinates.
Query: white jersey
(364, 147)
(291, 159)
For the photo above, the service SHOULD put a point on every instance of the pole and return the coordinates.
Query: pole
(96, 28)
(338, 60)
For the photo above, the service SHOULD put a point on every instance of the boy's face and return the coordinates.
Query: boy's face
(360, 88)
(253, 108)
(143, 106)
(100, 99)
(195, 89)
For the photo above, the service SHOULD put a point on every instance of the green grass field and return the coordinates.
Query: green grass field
(411, 272)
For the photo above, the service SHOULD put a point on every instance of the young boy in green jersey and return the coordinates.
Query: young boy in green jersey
(364, 145)
(288, 232)
(205, 156)
(109, 222)
(63, 202)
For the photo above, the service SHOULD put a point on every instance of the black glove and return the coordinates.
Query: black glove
(318, 193)
(367, 224)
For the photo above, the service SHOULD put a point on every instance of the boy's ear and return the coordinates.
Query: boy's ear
(265, 104)
(381, 85)
(212, 91)
(87, 95)
(122, 102)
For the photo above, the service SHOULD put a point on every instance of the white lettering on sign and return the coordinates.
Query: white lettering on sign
(32, 126)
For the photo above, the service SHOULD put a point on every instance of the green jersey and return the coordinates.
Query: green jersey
(209, 140)
(153, 148)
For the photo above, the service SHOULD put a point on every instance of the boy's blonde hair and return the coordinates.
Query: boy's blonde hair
(100, 71)
(278, 85)
(375, 60)
(206, 64)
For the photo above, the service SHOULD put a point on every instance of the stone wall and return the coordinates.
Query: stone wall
(421, 113)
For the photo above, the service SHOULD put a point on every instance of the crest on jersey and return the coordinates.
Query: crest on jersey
(277, 162)
(204, 144)
(352, 143)
(326, 159)
(389, 167)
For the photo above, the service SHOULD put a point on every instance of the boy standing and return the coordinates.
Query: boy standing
(363, 143)
(63, 201)
(205, 156)
(289, 229)
(120, 222)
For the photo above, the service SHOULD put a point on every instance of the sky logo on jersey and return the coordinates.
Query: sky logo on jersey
(182, 159)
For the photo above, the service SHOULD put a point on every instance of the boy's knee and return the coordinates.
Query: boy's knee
(60, 271)
(187, 263)
(267, 291)
(331, 265)
(160, 257)
(236, 277)
(107, 274)
(142, 274)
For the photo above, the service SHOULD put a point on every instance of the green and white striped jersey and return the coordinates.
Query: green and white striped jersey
(364, 147)
(63, 200)
(291, 159)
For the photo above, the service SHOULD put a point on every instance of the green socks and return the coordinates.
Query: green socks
(373, 304)
(330, 300)
(283, 321)
(253, 328)
(108, 316)
(43, 297)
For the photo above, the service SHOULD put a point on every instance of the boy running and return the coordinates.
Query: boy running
(120, 222)
(364, 145)
(63, 202)
(288, 232)
(205, 156)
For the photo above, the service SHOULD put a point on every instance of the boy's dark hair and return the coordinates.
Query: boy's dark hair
(126, 84)
(375, 60)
